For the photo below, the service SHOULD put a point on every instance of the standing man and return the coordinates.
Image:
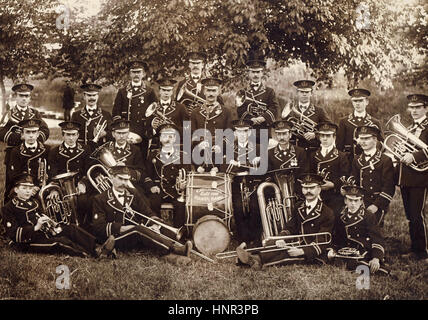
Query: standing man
(94, 121)
(311, 216)
(346, 140)
(189, 90)
(413, 184)
(132, 102)
(257, 102)
(332, 164)
(210, 116)
(68, 100)
(316, 114)
(374, 172)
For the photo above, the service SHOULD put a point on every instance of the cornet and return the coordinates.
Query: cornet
(99, 128)
(50, 227)
(180, 184)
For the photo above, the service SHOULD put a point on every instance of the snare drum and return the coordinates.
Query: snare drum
(210, 235)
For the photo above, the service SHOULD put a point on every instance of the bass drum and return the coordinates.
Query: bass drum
(211, 235)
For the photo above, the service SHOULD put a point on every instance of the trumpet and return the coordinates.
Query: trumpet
(242, 96)
(180, 184)
(99, 128)
(346, 253)
(401, 141)
(293, 241)
(301, 123)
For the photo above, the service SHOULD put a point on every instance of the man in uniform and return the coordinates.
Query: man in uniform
(210, 116)
(132, 102)
(413, 184)
(166, 162)
(189, 90)
(117, 212)
(30, 156)
(311, 216)
(257, 102)
(317, 114)
(165, 111)
(346, 140)
(94, 121)
(10, 131)
(357, 228)
(373, 171)
(332, 164)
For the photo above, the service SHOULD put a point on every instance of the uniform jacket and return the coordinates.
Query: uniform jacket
(346, 140)
(219, 118)
(335, 165)
(317, 115)
(10, 131)
(62, 160)
(88, 123)
(359, 230)
(175, 112)
(19, 218)
(108, 214)
(164, 171)
(293, 157)
(408, 177)
(187, 100)
(22, 159)
(319, 219)
(376, 176)
(266, 108)
(131, 104)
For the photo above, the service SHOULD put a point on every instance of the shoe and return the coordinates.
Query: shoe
(183, 250)
(107, 249)
(245, 257)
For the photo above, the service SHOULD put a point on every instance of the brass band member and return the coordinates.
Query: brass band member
(166, 111)
(346, 139)
(414, 183)
(10, 131)
(27, 226)
(332, 164)
(94, 121)
(30, 156)
(164, 165)
(245, 203)
(115, 213)
(357, 228)
(132, 101)
(374, 172)
(210, 116)
(258, 102)
(192, 83)
(311, 216)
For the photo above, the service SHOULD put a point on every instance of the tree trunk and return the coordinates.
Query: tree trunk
(3, 95)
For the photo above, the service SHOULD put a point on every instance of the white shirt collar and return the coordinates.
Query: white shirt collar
(327, 150)
(167, 152)
(70, 147)
(22, 109)
(243, 145)
(311, 204)
(136, 84)
(34, 145)
(304, 105)
(360, 114)
(119, 147)
(168, 102)
(420, 120)
(371, 153)
(116, 194)
(88, 108)
(280, 148)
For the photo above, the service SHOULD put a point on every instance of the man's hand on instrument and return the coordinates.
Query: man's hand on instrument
(54, 194)
(155, 189)
(155, 228)
(280, 243)
(200, 169)
(132, 139)
(124, 229)
(203, 145)
(40, 222)
(296, 252)
(309, 136)
(216, 148)
(331, 254)
(81, 188)
(372, 208)
(35, 191)
(374, 265)
(235, 163)
(156, 122)
(257, 120)
(255, 161)
(408, 158)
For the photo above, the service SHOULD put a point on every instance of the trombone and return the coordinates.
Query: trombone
(295, 241)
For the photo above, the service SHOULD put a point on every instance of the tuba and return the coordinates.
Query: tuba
(301, 123)
(61, 209)
(401, 141)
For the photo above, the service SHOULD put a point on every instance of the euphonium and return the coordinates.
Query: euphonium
(301, 123)
(99, 177)
(401, 141)
(272, 212)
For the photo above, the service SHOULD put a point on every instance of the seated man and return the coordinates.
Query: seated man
(311, 216)
(28, 226)
(119, 212)
(356, 228)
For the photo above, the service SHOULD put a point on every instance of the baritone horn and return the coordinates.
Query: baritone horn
(402, 141)
(301, 123)
(58, 199)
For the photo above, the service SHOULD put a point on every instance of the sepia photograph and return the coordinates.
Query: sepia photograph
(208, 157)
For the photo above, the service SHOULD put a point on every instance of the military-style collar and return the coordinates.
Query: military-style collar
(113, 202)
(261, 89)
(173, 158)
(286, 156)
(313, 214)
(71, 153)
(350, 219)
(27, 153)
(16, 115)
(215, 112)
(372, 161)
(331, 155)
(367, 120)
(85, 114)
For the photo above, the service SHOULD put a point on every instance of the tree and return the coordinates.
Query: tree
(25, 30)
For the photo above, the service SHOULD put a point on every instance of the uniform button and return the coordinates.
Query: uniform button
(312, 224)
(358, 235)
(349, 236)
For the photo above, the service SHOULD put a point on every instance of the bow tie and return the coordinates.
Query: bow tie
(121, 195)
(255, 86)
(91, 110)
(165, 104)
(303, 107)
(32, 149)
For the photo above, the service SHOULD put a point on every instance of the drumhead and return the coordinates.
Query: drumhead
(211, 235)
